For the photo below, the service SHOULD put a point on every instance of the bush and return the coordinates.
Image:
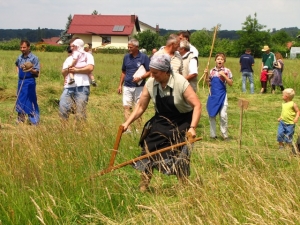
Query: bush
(13, 44)
(111, 50)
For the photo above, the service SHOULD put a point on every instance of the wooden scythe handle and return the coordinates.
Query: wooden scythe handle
(109, 169)
(116, 146)
(204, 76)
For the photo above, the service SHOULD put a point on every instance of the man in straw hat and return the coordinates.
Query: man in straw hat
(28, 68)
(268, 59)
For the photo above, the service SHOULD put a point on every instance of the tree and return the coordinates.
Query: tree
(148, 40)
(202, 40)
(95, 12)
(64, 36)
(281, 38)
(252, 36)
(39, 34)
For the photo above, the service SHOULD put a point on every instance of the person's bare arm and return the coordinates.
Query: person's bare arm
(193, 69)
(191, 76)
(192, 98)
(145, 76)
(122, 78)
(85, 70)
(297, 113)
(64, 72)
(278, 65)
(139, 109)
(73, 63)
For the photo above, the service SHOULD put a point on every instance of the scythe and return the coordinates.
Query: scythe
(204, 76)
(189, 140)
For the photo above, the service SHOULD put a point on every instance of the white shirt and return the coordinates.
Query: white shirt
(193, 64)
(194, 50)
(80, 79)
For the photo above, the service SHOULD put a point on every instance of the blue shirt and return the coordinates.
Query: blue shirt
(130, 66)
(246, 61)
(29, 58)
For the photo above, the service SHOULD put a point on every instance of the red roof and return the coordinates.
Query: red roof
(51, 41)
(103, 24)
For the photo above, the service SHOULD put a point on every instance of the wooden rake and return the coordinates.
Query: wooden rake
(189, 140)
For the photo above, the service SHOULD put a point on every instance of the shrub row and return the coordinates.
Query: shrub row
(14, 44)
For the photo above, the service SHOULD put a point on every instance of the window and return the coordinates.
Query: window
(106, 40)
(118, 28)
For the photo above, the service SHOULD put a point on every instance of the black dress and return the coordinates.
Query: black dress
(169, 127)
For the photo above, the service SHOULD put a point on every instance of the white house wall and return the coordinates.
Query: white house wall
(85, 37)
(96, 41)
(118, 42)
(144, 28)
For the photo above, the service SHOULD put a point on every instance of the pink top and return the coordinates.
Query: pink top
(81, 59)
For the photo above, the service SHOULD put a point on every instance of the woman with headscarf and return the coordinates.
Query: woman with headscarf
(177, 111)
(278, 69)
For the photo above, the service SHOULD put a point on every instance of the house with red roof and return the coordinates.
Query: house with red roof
(107, 30)
(50, 41)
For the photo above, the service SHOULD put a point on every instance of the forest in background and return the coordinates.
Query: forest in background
(35, 35)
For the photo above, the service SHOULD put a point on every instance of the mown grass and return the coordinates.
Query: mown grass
(45, 170)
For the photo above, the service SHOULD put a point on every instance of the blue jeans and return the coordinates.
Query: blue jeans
(244, 79)
(285, 132)
(78, 98)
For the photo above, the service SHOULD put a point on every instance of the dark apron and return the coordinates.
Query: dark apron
(27, 100)
(216, 100)
(168, 127)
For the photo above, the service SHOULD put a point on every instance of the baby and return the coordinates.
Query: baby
(79, 57)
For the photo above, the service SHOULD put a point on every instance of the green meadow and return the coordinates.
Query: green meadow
(45, 170)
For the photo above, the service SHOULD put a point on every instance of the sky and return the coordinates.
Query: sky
(168, 14)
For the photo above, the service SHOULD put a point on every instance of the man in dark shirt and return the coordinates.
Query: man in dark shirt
(133, 86)
(246, 62)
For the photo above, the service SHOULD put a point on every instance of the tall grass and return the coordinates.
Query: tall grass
(45, 170)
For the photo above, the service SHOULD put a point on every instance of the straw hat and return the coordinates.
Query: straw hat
(27, 66)
(266, 48)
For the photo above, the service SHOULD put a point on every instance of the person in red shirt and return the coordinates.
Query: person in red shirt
(264, 80)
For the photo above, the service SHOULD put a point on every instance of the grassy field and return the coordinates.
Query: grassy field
(45, 170)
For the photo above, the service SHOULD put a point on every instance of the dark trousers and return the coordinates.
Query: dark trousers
(264, 86)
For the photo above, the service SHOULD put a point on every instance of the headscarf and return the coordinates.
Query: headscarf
(79, 43)
(161, 62)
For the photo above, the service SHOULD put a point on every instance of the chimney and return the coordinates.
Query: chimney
(132, 18)
(157, 28)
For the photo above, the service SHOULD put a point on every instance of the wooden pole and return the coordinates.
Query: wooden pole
(204, 76)
(18, 94)
(109, 169)
(116, 146)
